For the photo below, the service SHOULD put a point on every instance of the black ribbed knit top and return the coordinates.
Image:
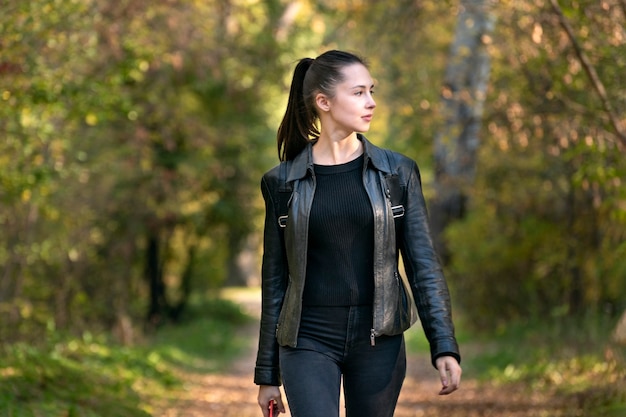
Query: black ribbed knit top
(340, 269)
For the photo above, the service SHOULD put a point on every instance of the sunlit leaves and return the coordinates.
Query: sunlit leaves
(551, 165)
(128, 116)
(118, 117)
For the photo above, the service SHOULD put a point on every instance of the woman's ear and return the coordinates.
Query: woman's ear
(322, 103)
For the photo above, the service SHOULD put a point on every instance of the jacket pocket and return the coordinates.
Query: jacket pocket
(286, 325)
(406, 314)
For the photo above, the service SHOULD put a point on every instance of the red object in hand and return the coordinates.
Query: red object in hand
(272, 406)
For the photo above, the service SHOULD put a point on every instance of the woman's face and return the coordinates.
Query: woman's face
(352, 107)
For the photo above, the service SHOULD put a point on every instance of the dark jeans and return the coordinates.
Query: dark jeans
(335, 341)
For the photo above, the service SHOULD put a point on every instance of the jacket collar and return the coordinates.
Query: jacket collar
(303, 162)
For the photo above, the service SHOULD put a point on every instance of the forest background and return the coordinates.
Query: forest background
(134, 134)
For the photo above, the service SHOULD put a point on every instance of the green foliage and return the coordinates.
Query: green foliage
(205, 340)
(572, 359)
(92, 377)
(116, 132)
(125, 123)
(569, 357)
(545, 229)
(79, 377)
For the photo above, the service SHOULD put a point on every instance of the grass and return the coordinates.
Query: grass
(572, 357)
(207, 340)
(92, 377)
(80, 377)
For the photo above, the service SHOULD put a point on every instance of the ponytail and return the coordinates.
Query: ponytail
(311, 76)
(299, 121)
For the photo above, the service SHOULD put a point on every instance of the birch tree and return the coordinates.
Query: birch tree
(462, 96)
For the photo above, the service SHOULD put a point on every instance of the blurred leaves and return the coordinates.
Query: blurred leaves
(548, 208)
(82, 378)
(131, 122)
(124, 120)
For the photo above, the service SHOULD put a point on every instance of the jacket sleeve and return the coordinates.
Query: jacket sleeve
(273, 285)
(424, 270)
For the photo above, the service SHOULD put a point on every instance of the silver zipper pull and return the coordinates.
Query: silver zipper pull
(372, 338)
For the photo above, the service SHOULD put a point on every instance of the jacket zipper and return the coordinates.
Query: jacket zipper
(372, 338)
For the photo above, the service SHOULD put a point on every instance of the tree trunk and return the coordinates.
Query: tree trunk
(619, 334)
(236, 276)
(185, 285)
(157, 309)
(463, 95)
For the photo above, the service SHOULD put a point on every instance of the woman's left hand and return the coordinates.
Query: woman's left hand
(450, 373)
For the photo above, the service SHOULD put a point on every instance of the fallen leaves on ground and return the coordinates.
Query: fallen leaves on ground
(233, 394)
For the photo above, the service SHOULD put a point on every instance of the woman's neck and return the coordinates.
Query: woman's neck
(329, 151)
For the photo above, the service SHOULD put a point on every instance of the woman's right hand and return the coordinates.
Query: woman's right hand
(269, 393)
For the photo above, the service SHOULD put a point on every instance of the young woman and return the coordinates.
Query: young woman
(334, 304)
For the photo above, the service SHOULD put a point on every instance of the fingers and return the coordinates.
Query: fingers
(279, 404)
(270, 396)
(265, 410)
(450, 374)
(276, 406)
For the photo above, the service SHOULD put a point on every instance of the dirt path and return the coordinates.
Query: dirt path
(233, 394)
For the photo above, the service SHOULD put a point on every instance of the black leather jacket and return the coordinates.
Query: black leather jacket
(284, 258)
